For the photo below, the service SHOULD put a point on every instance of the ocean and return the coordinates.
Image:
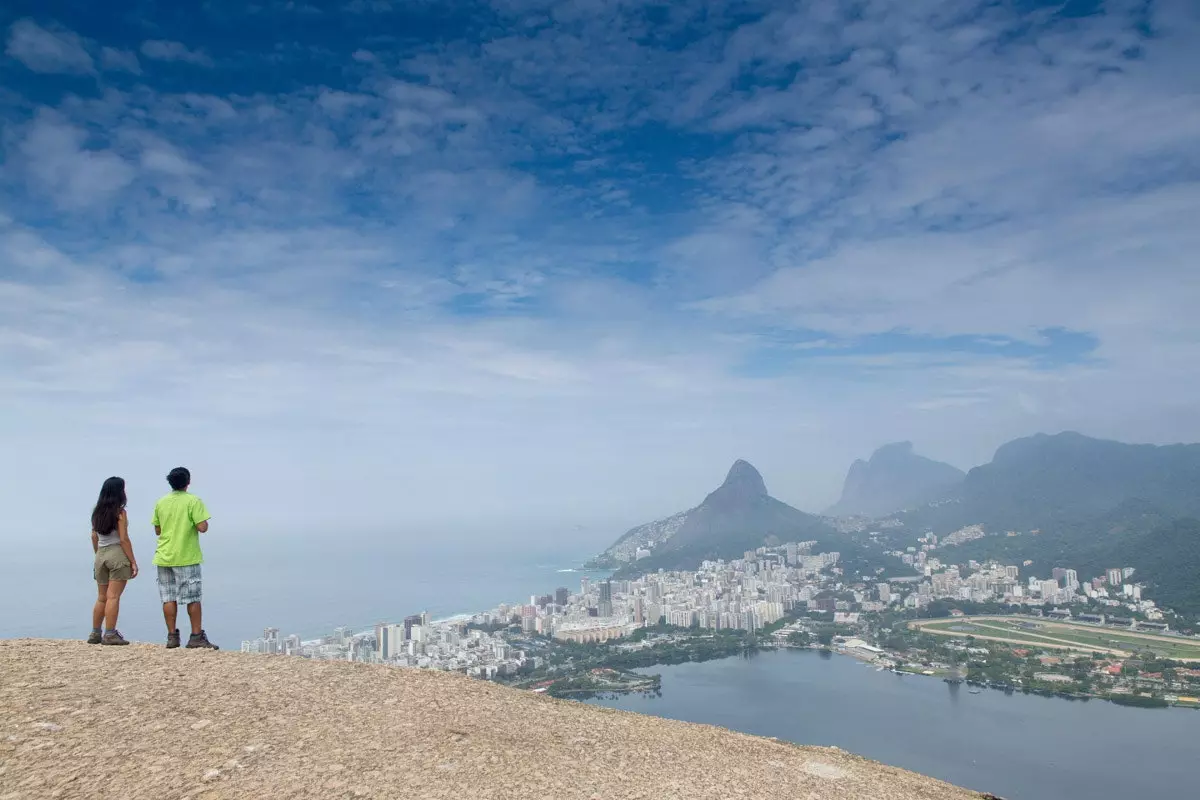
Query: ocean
(299, 585)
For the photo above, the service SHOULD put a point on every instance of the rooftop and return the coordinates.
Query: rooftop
(142, 721)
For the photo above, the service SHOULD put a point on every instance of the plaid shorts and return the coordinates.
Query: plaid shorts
(179, 584)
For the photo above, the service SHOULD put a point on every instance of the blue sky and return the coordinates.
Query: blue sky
(561, 263)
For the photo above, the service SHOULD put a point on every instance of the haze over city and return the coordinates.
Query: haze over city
(413, 267)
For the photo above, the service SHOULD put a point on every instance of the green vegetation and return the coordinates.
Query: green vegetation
(696, 648)
(598, 682)
(1139, 700)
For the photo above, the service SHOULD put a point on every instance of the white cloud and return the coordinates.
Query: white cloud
(49, 50)
(60, 164)
(117, 60)
(164, 50)
(574, 264)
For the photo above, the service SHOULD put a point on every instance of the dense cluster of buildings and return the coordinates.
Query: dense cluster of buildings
(746, 594)
(742, 594)
(996, 582)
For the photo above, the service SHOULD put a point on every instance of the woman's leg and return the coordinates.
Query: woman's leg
(112, 605)
(100, 605)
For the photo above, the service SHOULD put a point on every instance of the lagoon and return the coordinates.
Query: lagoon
(1019, 747)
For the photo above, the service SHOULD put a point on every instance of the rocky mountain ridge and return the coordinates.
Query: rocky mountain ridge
(737, 516)
(894, 479)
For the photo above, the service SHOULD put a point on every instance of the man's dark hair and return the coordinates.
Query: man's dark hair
(179, 478)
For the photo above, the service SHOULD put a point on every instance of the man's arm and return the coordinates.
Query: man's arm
(157, 531)
(200, 515)
(95, 542)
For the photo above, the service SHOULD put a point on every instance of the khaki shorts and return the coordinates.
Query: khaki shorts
(111, 564)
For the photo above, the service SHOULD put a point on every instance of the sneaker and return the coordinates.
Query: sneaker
(94, 637)
(113, 637)
(173, 639)
(200, 641)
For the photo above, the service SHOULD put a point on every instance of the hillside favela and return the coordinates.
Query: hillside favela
(514, 399)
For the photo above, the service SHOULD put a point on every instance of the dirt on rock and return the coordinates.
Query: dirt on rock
(80, 720)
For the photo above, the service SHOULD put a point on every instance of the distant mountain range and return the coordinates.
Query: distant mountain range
(1071, 501)
(1083, 503)
(737, 516)
(1044, 480)
(894, 479)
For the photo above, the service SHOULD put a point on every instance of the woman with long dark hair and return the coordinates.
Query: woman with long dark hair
(114, 564)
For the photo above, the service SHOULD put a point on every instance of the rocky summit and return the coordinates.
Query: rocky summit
(80, 721)
(87, 721)
(743, 483)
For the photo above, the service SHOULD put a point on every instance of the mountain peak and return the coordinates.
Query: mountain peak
(735, 517)
(745, 480)
(893, 450)
(895, 478)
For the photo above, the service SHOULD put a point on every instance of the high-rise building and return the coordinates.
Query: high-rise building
(561, 595)
(383, 635)
(585, 585)
(605, 607)
(885, 592)
(1115, 576)
(639, 613)
(1071, 580)
(1058, 573)
(410, 622)
(1012, 571)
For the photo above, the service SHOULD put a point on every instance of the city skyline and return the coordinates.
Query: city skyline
(762, 588)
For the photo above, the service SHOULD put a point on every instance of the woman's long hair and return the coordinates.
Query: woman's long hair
(108, 507)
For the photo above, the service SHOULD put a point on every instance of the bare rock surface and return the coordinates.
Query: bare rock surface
(81, 720)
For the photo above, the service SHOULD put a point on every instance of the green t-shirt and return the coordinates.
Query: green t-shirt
(177, 516)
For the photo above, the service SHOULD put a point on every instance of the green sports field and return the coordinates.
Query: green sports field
(1055, 635)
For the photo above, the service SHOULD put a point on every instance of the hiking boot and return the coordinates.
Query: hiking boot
(94, 637)
(200, 641)
(113, 637)
(173, 639)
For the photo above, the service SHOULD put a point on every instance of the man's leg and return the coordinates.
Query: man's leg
(168, 593)
(193, 610)
(190, 594)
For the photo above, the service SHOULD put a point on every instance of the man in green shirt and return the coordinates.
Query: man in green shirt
(179, 519)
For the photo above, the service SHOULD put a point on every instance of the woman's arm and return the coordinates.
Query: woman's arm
(126, 545)
(95, 542)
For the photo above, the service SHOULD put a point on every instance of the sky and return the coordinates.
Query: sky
(422, 269)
